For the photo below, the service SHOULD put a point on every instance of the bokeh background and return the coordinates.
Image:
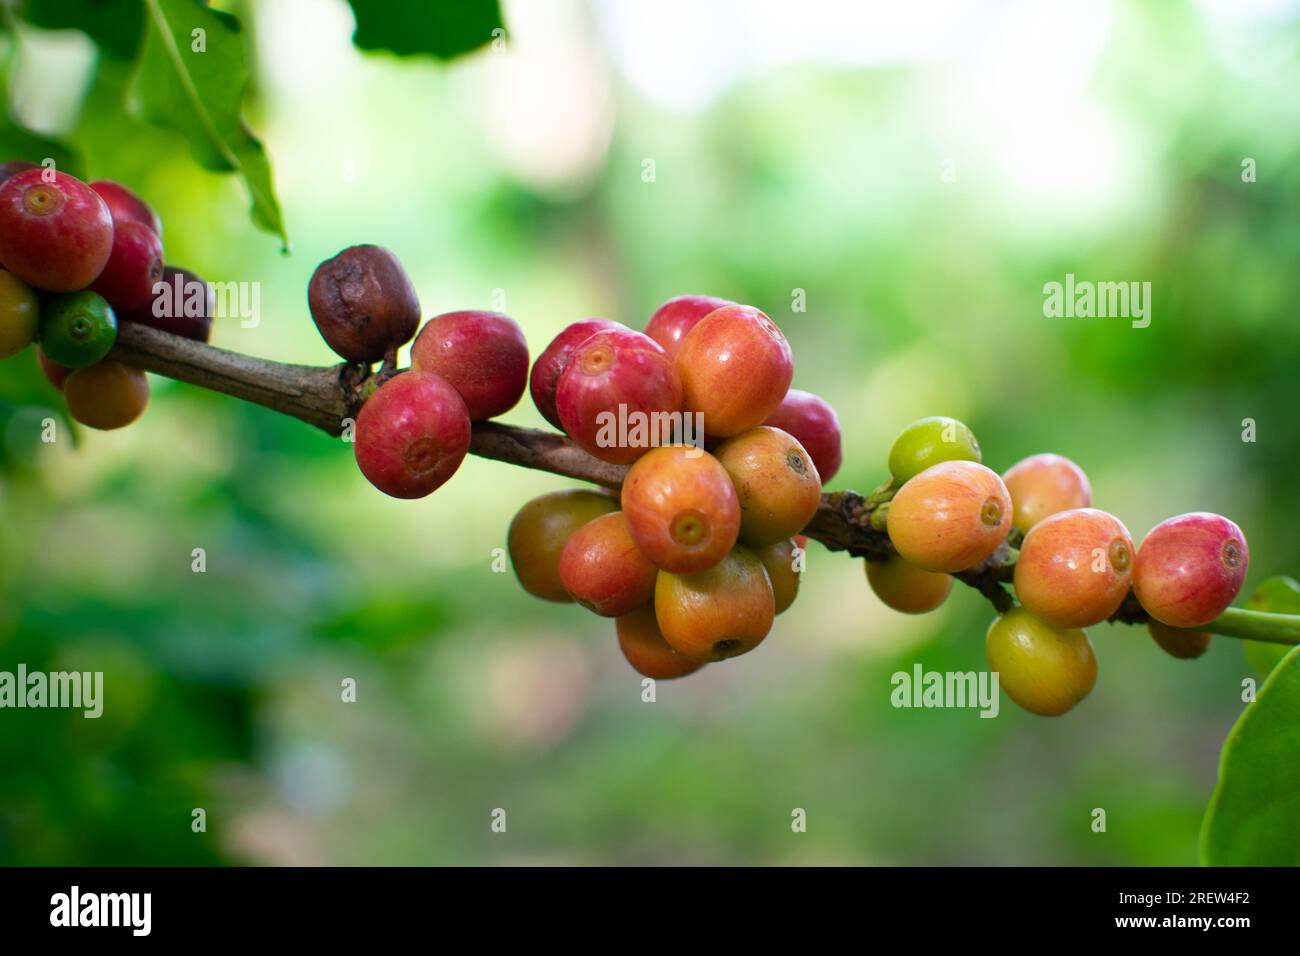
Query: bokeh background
(919, 172)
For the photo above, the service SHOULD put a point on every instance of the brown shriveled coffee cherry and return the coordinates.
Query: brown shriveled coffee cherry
(363, 303)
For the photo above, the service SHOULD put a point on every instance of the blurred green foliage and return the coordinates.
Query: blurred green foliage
(504, 176)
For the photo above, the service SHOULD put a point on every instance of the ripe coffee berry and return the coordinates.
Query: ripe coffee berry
(1044, 669)
(672, 320)
(646, 650)
(616, 395)
(182, 305)
(735, 366)
(779, 563)
(134, 266)
(905, 588)
(927, 442)
(363, 304)
(54, 373)
(14, 167)
(1043, 485)
(77, 329)
(1075, 567)
(813, 422)
(546, 370)
(19, 315)
(125, 206)
(681, 508)
(107, 395)
(718, 613)
(604, 570)
(482, 354)
(1190, 568)
(539, 532)
(1177, 642)
(950, 517)
(776, 483)
(412, 434)
(55, 236)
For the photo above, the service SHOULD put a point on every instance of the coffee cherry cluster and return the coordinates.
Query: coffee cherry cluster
(76, 259)
(1074, 565)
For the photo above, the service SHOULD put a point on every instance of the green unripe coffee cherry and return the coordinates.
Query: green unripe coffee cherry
(77, 329)
(1044, 669)
(927, 442)
(19, 315)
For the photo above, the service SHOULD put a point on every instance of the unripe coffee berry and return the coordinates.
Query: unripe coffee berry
(56, 236)
(107, 395)
(1190, 568)
(20, 315)
(1042, 485)
(77, 329)
(1044, 669)
(719, 613)
(779, 563)
(539, 532)
(363, 303)
(776, 484)
(1177, 642)
(482, 354)
(950, 517)
(906, 588)
(646, 650)
(1075, 567)
(412, 434)
(927, 442)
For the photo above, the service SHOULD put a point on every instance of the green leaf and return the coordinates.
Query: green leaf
(1254, 816)
(1280, 595)
(16, 140)
(114, 25)
(191, 78)
(412, 28)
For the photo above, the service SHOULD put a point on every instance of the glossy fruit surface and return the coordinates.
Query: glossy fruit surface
(107, 395)
(811, 420)
(906, 588)
(681, 508)
(1044, 669)
(482, 354)
(1190, 568)
(363, 303)
(54, 373)
(545, 376)
(133, 267)
(646, 650)
(77, 329)
(1075, 567)
(604, 570)
(1176, 642)
(672, 320)
(412, 434)
(20, 314)
(1042, 485)
(182, 305)
(618, 396)
(56, 236)
(950, 517)
(14, 167)
(927, 442)
(718, 613)
(735, 366)
(776, 483)
(539, 531)
(125, 206)
(779, 563)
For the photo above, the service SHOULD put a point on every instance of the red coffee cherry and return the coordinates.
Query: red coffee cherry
(814, 423)
(672, 320)
(604, 570)
(54, 373)
(182, 304)
(125, 206)
(1075, 567)
(646, 650)
(719, 613)
(779, 563)
(618, 396)
(106, 395)
(950, 517)
(539, 532)
(482, 354)
(1190, 568)
(14, 167)
(681, 508)
(546, 370)
(735, 367)
(55, 235)
(412, 434)
(133, 268)
(1176, 642)
(776, 483)
(905, 588)
(1043, 485)
(363, 303)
